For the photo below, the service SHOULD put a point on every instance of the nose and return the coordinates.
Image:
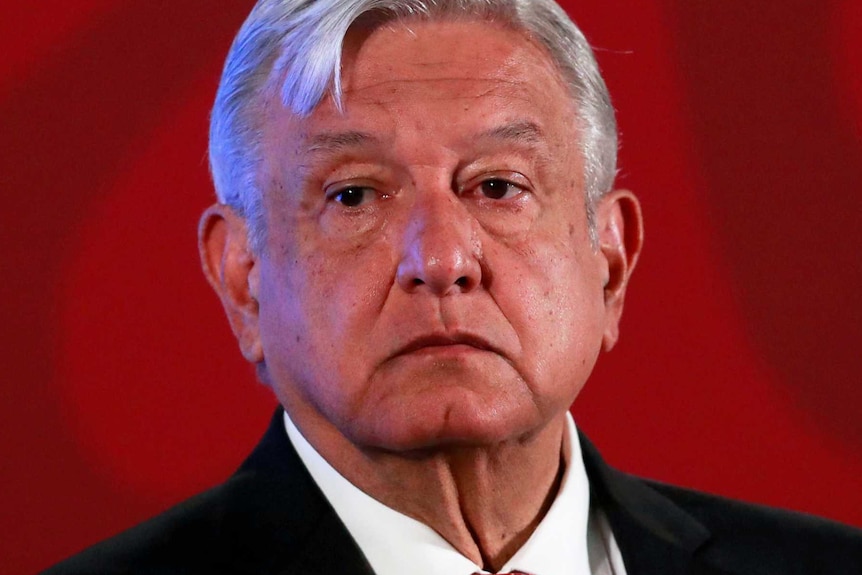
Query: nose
(440, 253)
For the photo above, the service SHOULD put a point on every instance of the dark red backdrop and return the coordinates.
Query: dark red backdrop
(738, 368)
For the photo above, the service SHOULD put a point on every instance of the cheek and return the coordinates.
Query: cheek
(320, 303)
(301, 338)
(556, 307)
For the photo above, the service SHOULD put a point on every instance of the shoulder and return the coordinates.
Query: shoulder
(750, 538)
(268, 511)
(205, 533)
(657, 525)
(168, 543)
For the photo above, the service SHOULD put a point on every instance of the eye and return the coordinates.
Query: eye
(353, 196)
(499, 189)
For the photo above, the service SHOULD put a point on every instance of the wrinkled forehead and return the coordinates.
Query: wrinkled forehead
(426, 98)
(441, 53)
(304, 77)
(412, 66)
(384, 57)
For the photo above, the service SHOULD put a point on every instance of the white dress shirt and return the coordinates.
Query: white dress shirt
(571, 539)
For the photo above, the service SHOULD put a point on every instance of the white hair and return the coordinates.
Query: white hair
(301, 42)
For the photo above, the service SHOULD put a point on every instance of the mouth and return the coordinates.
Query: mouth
(446, 343)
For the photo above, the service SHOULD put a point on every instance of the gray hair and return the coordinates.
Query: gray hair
(300, 41)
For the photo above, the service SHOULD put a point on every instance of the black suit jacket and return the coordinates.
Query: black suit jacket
(271, 518)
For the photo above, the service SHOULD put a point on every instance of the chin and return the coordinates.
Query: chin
(452, 414)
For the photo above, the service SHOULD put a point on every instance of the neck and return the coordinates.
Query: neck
(485, 501)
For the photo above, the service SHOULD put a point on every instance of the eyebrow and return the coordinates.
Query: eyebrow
(522, 131)
(338, 141)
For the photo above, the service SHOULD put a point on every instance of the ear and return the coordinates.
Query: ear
(619, 227)
(233, 272)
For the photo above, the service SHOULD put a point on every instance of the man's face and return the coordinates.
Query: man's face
(428, 276)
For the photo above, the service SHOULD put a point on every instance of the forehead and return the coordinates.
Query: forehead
(419, 60)
(440, 80)
(420, 50)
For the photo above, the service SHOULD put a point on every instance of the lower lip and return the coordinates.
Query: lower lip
(445, 350)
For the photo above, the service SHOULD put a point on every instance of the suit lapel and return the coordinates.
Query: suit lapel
(277, 521)
(655, 536)
(280, 522)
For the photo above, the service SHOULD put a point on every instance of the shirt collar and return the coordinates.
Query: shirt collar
(395, 544)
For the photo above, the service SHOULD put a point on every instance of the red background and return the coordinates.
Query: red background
(737, 372)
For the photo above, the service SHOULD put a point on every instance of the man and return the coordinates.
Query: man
(418, 246)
